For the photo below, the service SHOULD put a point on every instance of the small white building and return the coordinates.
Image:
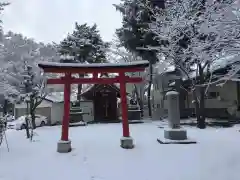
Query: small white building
(53, 108)
(43, 109)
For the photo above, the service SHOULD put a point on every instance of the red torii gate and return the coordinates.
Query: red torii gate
(64, 145)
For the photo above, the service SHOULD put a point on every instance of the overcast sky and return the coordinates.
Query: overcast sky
(51, 20)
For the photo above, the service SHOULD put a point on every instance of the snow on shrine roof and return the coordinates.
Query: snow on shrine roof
(94, 65)
(96, 86)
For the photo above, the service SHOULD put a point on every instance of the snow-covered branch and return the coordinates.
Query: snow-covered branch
(195, 38)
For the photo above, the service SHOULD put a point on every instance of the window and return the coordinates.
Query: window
(213, 95)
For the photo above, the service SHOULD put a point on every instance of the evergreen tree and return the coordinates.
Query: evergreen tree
(134, 34)
(2, 5)
(85, 45)
(2, 49)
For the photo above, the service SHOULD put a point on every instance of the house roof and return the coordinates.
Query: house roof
(218, 65)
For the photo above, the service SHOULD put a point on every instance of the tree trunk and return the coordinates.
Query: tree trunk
(201, 116)
(33, 120)
(32, 112)
(33, 123)
(139, 100)
(79, 89)
(201, 121)
(196, 104)
(5, 107)
(26, 121)
(149, 89)
(27, 127)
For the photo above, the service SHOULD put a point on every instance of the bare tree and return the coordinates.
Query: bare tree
(29, 82)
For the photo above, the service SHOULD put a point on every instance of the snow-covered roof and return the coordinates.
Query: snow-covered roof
(218, 64)
(162, 67)
(97, 85)
(225, 61)
(59, 97)
(87, 87)
(93, 65)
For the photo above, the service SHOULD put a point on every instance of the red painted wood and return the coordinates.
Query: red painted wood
(91, 70)
(66, 116)
(123, 94)
(95, 75)
(95, 80)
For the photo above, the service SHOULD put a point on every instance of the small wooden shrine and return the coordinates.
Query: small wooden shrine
(104, 97)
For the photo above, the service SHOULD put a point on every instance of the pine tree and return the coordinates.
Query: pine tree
(85, 45)
(134, 34)
(2, 5)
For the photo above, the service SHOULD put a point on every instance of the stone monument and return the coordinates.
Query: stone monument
(174, 134)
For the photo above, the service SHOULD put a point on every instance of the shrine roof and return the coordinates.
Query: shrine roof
(136, 64)
(97, 87)
(89, 92)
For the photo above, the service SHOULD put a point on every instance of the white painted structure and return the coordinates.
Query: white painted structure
(52, 110)
(53, 107)
(44, 109)
(88, 110)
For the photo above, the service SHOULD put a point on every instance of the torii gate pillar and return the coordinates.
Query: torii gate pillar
(126, 140)
(64, 145)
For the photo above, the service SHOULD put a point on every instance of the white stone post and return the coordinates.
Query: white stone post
(174, 134)
(173, 109)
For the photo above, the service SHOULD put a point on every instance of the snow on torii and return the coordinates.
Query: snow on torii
(64, 145)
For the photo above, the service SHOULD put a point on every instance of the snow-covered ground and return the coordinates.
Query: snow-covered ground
(97, 155)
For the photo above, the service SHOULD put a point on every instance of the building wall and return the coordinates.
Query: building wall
(43, 109)
(216, 106)
(55, 87)
(160, 86)
(119, 105)
(87, 108)
(227, 96)
(57, 113)
(221, 104)
(140, 86)
(58, 87)
(44, 103)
